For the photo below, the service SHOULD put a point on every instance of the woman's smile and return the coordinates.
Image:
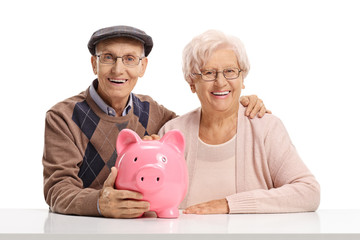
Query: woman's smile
(220, 94)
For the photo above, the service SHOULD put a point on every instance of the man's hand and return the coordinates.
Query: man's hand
(120, 203)
(219, 206)
(254, 106)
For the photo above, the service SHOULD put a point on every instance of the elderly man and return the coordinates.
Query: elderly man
(81, 131)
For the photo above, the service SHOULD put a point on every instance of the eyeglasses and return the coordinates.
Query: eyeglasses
(128, 60)
(211, 74)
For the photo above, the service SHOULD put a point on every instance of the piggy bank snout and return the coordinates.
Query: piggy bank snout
(150, 178)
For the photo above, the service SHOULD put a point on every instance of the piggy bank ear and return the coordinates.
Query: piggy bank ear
(174, 138)
(125, 138)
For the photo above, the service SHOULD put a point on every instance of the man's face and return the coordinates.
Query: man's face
(116, 81)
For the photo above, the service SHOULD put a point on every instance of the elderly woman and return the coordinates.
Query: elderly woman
(236, 164)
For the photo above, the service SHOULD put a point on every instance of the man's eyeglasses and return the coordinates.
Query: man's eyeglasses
(128, 60)
(211, 75)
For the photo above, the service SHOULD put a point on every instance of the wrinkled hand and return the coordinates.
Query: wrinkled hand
(219, 206)
(120, 203)
(152, 137)
(254, 106)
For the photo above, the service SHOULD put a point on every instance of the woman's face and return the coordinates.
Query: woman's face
(221, 95)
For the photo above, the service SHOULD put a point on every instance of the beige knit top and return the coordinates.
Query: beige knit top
(269, 175)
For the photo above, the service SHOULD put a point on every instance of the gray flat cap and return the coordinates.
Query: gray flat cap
(120, 31)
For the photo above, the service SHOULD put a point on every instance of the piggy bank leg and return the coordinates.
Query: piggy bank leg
(168, 213)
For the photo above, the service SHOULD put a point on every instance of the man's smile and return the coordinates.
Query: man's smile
(117, 81)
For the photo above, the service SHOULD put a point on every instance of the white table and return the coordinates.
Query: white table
(42, 224)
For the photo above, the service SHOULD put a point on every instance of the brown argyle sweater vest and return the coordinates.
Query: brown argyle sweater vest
(79, 148)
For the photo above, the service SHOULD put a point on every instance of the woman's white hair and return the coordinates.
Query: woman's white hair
(197, 52)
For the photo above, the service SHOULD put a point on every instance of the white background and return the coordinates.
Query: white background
(304, 56)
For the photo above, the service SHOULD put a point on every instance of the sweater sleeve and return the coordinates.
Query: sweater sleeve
(63, 189)
(294, 188)
(161, 116)
(167, 114)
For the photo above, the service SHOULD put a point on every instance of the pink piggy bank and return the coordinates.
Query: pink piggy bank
(157, 169)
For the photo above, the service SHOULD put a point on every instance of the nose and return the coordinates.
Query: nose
(220, 80)
(150, 178)
(118, 67)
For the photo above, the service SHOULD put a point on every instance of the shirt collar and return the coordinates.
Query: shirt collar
(103, 106)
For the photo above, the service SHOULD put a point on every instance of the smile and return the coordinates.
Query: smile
(117, 81)
(220, 93)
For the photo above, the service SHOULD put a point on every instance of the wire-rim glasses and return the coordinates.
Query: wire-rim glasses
(209, 75)
(128, 60)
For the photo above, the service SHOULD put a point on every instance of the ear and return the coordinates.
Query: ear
(192, 87)
(242, 81)
(144, 63)
(125, 138)
(191, 82)
(94, 64)
(174, 138)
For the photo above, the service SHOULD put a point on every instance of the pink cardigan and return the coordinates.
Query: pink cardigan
(270, 176)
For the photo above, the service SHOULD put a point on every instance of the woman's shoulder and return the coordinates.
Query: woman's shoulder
(183, 122)
(265, 123)
(185, 119)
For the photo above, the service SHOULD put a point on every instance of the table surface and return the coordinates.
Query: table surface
(42, 224)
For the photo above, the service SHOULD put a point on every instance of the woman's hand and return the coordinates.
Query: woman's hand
(152, 137)
(120, 203)
(254, 106)
(219, 206)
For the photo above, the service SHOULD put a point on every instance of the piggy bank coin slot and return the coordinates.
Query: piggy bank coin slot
(135, 159)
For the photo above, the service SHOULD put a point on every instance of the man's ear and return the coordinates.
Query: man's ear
(144, 63)
(94, 64)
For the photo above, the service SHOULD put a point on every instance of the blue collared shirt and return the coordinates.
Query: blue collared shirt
(103, 106)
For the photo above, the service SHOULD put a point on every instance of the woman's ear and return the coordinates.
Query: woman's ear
(191, 84)
(94, 64)
(242, 80)
(192, 87)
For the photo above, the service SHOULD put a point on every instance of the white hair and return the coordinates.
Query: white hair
(197, 52)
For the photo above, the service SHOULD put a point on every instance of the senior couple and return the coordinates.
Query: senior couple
(237, 163)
